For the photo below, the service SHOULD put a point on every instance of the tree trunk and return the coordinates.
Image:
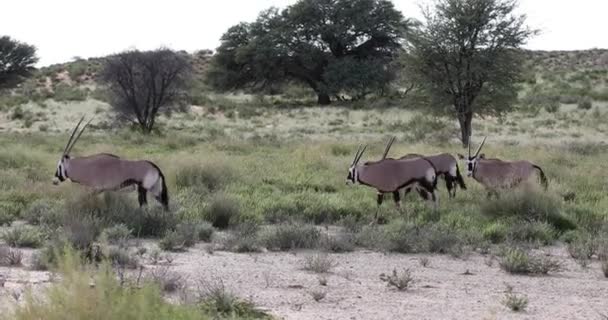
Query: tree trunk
(323, 99)
(464, 119)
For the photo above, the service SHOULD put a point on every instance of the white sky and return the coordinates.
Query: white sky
(62, 29)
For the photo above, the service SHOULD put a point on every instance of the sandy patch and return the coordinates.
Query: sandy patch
(443, 290)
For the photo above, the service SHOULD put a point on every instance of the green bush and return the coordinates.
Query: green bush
(118, 234)
(63, 92)
(113, 209)
(407, 237)
(244, 238)
(518, 261)
(585, 104)
(185, 235)
(222, 211)
(217, 301)
(23, 237)
(172, 241)
(289, 236)
(205, 231)
(495, 232)
(528, 205)
(540, 232)
(6, 218)
(204, 178)
(42, 212)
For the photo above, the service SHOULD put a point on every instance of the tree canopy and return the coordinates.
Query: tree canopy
(17, 60)
(143, 84)
(466, 55)
(332, 46)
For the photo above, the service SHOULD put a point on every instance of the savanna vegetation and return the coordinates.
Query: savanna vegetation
(263, 168)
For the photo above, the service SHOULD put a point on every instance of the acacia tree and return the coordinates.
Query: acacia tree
(466, 55)
(329, 45)
(17, 60)
(143, 84)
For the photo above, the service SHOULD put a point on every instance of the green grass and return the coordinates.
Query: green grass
(75, 298)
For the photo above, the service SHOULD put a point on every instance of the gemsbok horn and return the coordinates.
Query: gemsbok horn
(107, 172)
(447, 168)
(392, 175)
(496, 174)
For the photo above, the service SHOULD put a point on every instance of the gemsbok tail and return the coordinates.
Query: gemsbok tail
(459, 179)
(163, 198)
(543, 177)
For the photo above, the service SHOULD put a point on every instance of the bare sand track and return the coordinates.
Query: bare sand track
(448, 288)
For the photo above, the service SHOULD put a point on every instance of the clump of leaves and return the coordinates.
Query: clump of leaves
(401, 280)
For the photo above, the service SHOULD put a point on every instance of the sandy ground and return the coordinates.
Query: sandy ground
(444, 289)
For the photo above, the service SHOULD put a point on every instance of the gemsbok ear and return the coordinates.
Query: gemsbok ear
(482, 156)
(461, 157)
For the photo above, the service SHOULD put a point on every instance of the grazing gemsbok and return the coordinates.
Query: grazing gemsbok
(496, 174)
(107, 172)
(392, 175)
(447, 167)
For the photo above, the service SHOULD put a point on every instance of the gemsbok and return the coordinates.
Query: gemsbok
(107, 172)
(392, 175)
(447, 168)
(496, 174)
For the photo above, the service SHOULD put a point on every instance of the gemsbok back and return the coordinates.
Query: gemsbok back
(107, 172)
(496, 174)
(392, 175)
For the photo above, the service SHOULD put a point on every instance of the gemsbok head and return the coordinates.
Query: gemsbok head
(495, 174)
(391, 175)
(107, 172)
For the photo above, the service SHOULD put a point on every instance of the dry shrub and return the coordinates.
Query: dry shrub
(167, 280)
(319, 263)
(401, 280)
(10, 257)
